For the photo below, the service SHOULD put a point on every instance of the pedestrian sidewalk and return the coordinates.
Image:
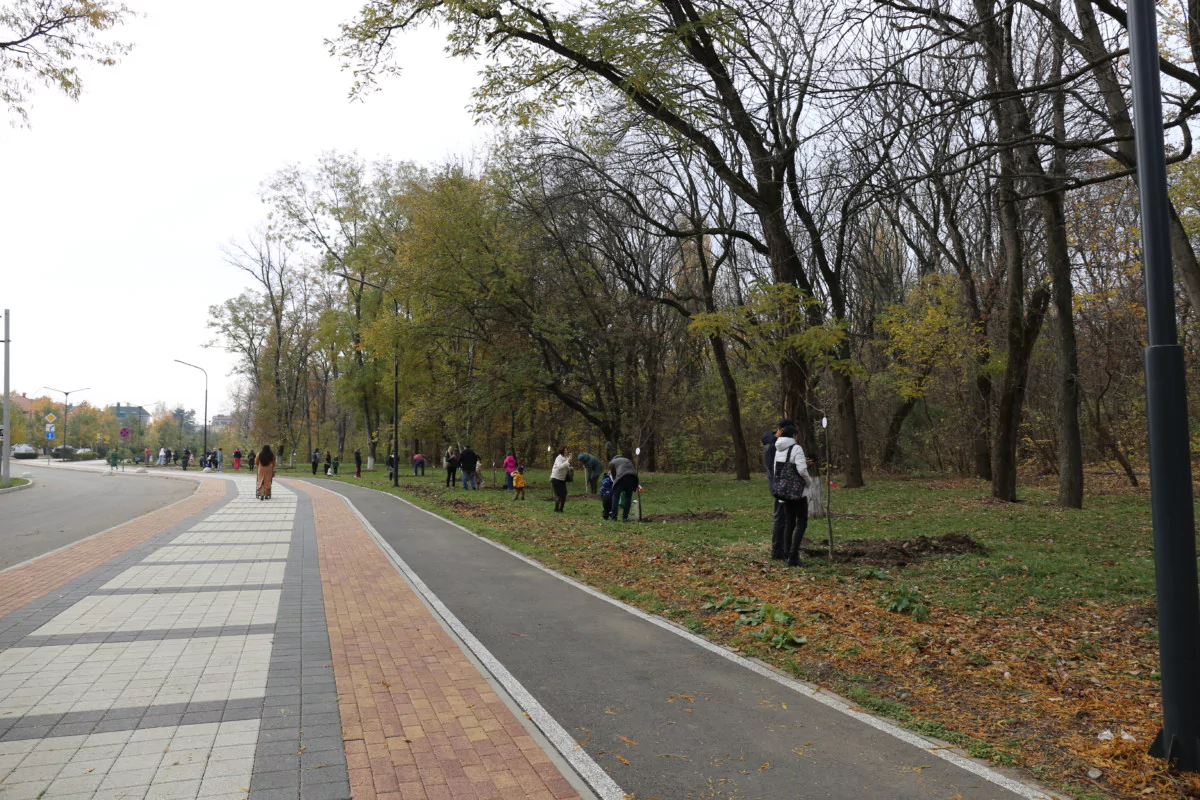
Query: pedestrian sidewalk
(226, 647)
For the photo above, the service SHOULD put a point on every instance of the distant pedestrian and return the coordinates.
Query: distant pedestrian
(237, 459)
(328, 463)
(170, 458)
(315, 460)
(336, 463)
(510, 466)
(147, 454)
(468, 460)
(253, 455)
(220, 459)
(266, 472)
(451, 466)
(418, 461)
(357, 463)
(560, 473)
(518, 481)
(479, 474)
(625, 483)
(187, 456)
(606, 495)
(593, 469)
(162, 456)
(393, 464)
(778, 519)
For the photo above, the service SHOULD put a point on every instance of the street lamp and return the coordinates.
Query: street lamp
(1166, 415)
(202, 369)
(66, 410)
(395, 384)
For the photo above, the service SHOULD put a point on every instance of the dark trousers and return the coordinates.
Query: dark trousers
(779, 540)
(560, 493)
(358, 469)
(594, 484)
(623, 496)
(795, 523)
(606, 504)
(314, 466)
(419, 465)
(451, 475)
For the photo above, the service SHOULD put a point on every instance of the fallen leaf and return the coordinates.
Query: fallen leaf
(626, 741)
(623, 759)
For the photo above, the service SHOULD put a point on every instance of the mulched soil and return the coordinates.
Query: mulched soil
(898, 552)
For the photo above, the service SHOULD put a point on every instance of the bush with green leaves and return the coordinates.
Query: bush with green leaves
(907, 600)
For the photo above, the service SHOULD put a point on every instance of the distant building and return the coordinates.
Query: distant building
(221, 421)
(129, 413)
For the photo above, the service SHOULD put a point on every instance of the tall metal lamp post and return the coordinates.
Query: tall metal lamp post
(395, 383)
(66, 410)
(1167, 417)
(193, 366)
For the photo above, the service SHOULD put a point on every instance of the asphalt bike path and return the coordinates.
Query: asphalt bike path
(64, 506)
(660, 712)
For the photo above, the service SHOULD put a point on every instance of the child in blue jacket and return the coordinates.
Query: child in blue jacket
(606, 496)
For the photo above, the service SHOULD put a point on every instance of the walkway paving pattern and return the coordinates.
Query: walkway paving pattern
(188, 654)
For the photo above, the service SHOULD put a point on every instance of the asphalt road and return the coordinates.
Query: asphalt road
(65, 506)
(663, 716)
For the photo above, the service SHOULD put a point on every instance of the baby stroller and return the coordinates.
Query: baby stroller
(258, 495)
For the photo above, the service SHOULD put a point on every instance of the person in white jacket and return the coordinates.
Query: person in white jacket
(558, 478)
(795, 521)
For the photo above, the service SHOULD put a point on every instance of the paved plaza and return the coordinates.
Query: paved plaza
(186, 654)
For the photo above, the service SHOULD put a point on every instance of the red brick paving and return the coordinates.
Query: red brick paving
(27, 582)
(419, 720)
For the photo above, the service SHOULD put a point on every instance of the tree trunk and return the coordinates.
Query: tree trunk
(891, 442)
(848, 424)
(733, 406)
(982, 445)
(1070, 446)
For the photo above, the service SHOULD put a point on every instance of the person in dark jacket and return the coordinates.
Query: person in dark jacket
(187, 456)
(593, 469)
(778, 531)
(625, 483)
(468, 459)
(315, 460)
(252, 458)
(393, 463)
(357, 463)
(451, 467)
(328, 462)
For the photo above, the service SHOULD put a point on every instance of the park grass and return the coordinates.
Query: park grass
(15, 482)
(1029, 651)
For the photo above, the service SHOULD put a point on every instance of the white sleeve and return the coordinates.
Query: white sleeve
(800, 461)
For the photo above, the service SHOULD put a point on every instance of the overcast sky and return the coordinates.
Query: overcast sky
(114, 209)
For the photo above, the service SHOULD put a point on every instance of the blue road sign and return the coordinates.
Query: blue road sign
(49, 434)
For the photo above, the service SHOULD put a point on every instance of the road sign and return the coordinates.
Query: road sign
(51, 418)
(49, 434)
(124, 433)
(50, 427)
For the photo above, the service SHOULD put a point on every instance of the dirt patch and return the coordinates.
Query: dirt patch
(899, 552)
(687, 516)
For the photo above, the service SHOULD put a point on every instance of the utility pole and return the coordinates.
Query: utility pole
(6, 480)
(1167, 417)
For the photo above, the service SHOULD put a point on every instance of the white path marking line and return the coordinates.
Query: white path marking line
(600, 782)
(938, 750)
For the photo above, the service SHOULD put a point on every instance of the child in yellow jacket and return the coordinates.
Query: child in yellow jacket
(519, 483)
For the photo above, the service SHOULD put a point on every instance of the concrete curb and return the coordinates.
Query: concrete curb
(28, 485)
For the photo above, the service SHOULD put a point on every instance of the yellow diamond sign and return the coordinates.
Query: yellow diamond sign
(50, 418)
